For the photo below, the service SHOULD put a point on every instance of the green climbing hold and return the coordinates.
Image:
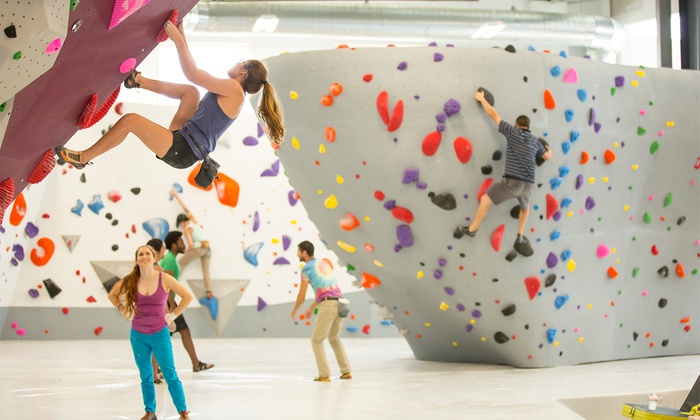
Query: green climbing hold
(651, 103)
(635, 271)
(654, 147)
(74, 4)
(694, 272)
(668, 200)
(641, 131)
(629, 188)
(647, 218)
(2, 106)
(612, 91)
(350, 267)
(17, 55)
(668, 228)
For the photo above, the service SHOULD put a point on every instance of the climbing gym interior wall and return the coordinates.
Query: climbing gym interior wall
(390, 152)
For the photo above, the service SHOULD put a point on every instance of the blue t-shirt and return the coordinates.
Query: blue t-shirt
(206, 125)
(319, 273)
(521, 149)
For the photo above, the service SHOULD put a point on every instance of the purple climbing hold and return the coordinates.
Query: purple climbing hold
(437, 57)
(433, 44)
(442, 262)
(556, 216)
(476, 313)
(33, 293)
(452, 107)
(256, 222)
(579, 181)
(286, 241)
(410, 175)
(402, 66)
(591, 117)
(273, 171)
(441, 117)
(619, 81)
(397, 248)
(440, 127)
(590, 203)
(292, 198)
(404, 235)
(250, 141)
(18, 251)
(596, 127)
(390, 204)
(421, 185)
(261, 304)
(450, 291)
(437, 274)
(260, 130)
(281, 261)
(31, 230)
(552, 260)
(469, 328)
(460, 307)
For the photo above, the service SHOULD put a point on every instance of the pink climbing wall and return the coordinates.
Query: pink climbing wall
(389, 165)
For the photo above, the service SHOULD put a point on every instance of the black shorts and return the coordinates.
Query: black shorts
(180, 323)
(180, 154)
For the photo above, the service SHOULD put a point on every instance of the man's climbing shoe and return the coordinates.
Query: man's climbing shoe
(70, 156)
(463, 230)
(346, 375)
(322, 379)
(522, 245)
(130, 82)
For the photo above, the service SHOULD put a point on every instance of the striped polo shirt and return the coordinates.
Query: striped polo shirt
(521, 149)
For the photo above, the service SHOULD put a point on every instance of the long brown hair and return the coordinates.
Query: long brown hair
(269, 108)
(130, 284)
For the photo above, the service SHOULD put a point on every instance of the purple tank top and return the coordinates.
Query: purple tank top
(206, 125)
(150, 310)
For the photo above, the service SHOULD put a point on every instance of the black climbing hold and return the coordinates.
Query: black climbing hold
(539, 160)
(663, 271)
(664, 343)
(534, 110)
(515, 212)
(494, 280)
(539, 185)
(501, 338)
(52, 288)
(497, 155)
(662, 303)
(486, 169)
(445, 201)
(477, 303)
(681, 220)
(635, 336)
(108, 216)
(11, 32)
(136, 190)
(527, 326)
(115, 247)
(115, 222)
(82, 178)
(550, 280)
(488, 96)
(510, 48)
(422, 264)
(525, 79)
(508, 310)
(462, 254)
(675, 261)
(511, 255)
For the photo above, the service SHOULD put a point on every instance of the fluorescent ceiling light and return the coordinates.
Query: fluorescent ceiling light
(488, 30)
(266, 23)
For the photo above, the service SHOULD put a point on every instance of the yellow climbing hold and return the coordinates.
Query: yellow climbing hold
(635, 167)
(427, 324)
(295, 143)
(617, 261)
(670, 123)
(275, 241)
(472, 321)
(454, 343)
(580, 339)
(616, 144)
(613, 250)
(626, 208)
(378, 264)
(604, 179)
(571, 265)
(322, 149)
(293, 95)
(339, 179)
(591, 180)
(555, 344)
(483, 338)
(569, 213)
(640, 73)
(634, 83)
(420, 274)
(444, 306)
(346, 246)
(366, 218)
(590, 306)
(293, 221)
(319, 192)
(331, 202)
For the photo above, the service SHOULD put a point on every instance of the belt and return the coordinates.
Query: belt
(329, 298)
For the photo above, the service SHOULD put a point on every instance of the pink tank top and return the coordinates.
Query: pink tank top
(150, 310)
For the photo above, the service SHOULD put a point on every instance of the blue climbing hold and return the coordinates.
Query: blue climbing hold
(565, 203)
(559, 301)
(574, 135)
(157, 228)
(251, 253)
(555, 71)
(565, 147)
(569, 115)
(551, 333)
(96, 204)
(78, 209)
(564, 170)
(565, 255)
(212, 304)
(555, 183)
(582, 95)
(555, 235)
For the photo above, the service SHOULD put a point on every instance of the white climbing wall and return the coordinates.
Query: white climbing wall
(614, 220)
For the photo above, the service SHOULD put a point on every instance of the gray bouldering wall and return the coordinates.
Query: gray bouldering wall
(389, 151)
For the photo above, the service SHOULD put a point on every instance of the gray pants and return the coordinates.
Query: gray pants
(509, 188)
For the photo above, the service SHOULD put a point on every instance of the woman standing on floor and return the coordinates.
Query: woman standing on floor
(141, 296)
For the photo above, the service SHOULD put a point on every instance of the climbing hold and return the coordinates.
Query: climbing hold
(157, 228)
(162, 35)
(78, 209)
(10, 31)
(31, 229)
(346, 246)
(565, 147)
(555, 235)
(680, 220)
(532, 284)
(261, 304)
(555, 183)
(549, 281)
(511, 255)
(402, 66)
(451, 107)
(552, 260)
(326, 100)
(668, 200)
(488, 96)
(292, 197)
(404, 235)
(609, 156)
(250, 254)
(501, 338)
(555, 71)
(663, 271)
(619, 81)
(646, 218)
(463, 149)
(336, 89)
(7, 192)
(293, 95)
(286, 241)
(582, 95)
(508, 310)
(349, 222)
(549, 102)
(497, 238)
(367, 77)
(497, 155)
(559, 301)
(662, 303)
(590, 203)
(52, 288)
(54, 46)
(281, 261)
(96, 204)
(396, 117)
(654, 147)
(612, 272)
(402, 213)
(330, 134)
(484, 187)
(551, 333)
(369, 281)
(114, 196)
(486, 169)
(445, 201)
(569, 115)
(44, 167)
(256, 221)
(584, 157)
(552, 205)
(654, 250)
(437, 57)
(571, 265)
(571, 76)
(410, 175)
(19, 209)
(227, 190)
(603, 251)
(591, 116)
(383, 106)
(331, 202)
(47, 247)
(680, 272)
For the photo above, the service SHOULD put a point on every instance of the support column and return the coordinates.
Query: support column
(663, 32)
(690, 39)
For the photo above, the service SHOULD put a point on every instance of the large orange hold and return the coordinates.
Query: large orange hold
(48, 247)
(369, 281)
(549, 102)
(19, 210)
(349, 222)
(609, 156)
(227, 189)
(584, 157)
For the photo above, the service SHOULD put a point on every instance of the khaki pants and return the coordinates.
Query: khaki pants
(204, 254)
(328, 324)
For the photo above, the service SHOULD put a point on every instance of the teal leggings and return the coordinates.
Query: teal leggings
(161, 347)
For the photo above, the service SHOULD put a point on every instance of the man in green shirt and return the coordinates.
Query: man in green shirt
(175, 245)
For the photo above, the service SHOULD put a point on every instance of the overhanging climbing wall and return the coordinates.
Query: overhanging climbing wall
(614, 219)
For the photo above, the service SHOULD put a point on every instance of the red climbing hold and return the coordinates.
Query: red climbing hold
(86, 115)
(98, 330)
(349, 222)
(114, 196)
(104, 108)
(533, 286)
(379, 195)
(497, 238)
(549, 102)
(402, 213)
(396, 118)
(48, 162)
(367, 77)
(552, 205)
(584, 157)
(91, 299)
(118, 108)
(7, 193)
(484, 187)
(365, 329)
(383, 106)
(369, 281)
(463, 149)
(680, 272)
(431, 142)
(609, 156)
(612, 273)
(654, 250)
(162, 35)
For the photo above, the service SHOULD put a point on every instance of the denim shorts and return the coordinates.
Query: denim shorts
(511, 188)
(180, 154)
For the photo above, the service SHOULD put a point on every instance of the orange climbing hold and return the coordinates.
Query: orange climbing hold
(685, 320)
(369, 281)
(396, 118)
(484, 187)
(431, 142)
(383, 106)
(193, 174)
(497, 238)
(19, 210)
(549, 102)
(612, 273)
(326, 100)
(402, 213)
(48, 162)
(584, 157)
(463, 149)
(552, 205)
(47, 247)
(680, 272)
(349, 222)
(227, 190)
(609, 156)
(336, 89)
(330, 134)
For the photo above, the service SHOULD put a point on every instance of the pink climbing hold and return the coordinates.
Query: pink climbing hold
(127, 66)
(431, 142)
(402, 213)
(349, 222)
(123, 10)
(571, 76)
(396, 118)
(533, 285)
(484, 187)
(552, 205)
(383, 106)
(497, 237)
(54, 46)
(463, 149)
(603, 251)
